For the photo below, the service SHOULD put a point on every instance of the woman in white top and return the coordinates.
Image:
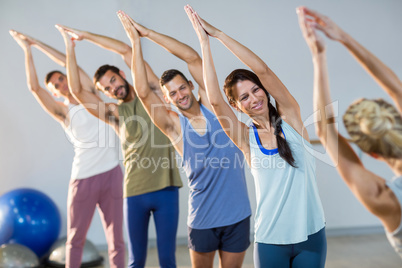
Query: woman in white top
(373, 125)
(289, 220)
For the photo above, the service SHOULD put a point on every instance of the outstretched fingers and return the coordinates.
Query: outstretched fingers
(142, 31)
(302, 21)
(189, 13)
(71, 32)
(190, 8)
(67, 35)
(128, 25)
(307, 26)
(199, 20)
(126, 16)
(18, 35)
(196, 22)
(61, 30)
(319, 27)
(124, 21)
(321, 21)
(320, 18)
(311, 12)
(194, 14)
(13, 32)
(20, 39)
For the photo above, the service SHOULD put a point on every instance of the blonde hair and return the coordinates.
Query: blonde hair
(375, 126)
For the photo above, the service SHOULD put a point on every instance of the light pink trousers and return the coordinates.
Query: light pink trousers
(104, 190)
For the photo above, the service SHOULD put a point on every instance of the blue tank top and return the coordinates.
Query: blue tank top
(288, 205)
(215, 170)
(395, 237)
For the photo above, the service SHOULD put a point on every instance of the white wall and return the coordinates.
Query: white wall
(36, 153)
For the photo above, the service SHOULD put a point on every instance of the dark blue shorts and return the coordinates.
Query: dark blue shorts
(310, 253)
(233, 238)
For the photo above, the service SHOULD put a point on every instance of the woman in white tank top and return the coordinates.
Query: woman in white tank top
(373, 125)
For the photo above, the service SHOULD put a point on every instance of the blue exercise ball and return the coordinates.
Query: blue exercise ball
(32, 218)
(6, 226)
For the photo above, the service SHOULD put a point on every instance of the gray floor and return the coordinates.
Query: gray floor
(368, 251)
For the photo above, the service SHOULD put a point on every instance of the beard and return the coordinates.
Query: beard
(126, 90)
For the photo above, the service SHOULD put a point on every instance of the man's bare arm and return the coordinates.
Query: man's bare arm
(48, 103)
(59, 58)
(160, 115)
(180, 50)
(113, 45)
(105, 111)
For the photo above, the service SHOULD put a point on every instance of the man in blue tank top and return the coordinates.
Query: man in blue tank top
(219, 208)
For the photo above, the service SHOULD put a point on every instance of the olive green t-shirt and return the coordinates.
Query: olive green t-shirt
(149, 157)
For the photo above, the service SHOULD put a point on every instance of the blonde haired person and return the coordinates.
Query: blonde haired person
(374, 125)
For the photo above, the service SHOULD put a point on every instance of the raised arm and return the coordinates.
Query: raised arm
(287, 105)
(365, 185)
(236, 130)
(103, 41)
(48, 103)
(93, 103)
(60, 58)
(113, 45)
(381, 73)
(160, 115)
(180, 50)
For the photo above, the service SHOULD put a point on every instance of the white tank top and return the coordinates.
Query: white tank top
(395, 237)
(95, 143)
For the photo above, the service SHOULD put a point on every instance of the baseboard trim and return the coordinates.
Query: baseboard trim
(355, 231)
